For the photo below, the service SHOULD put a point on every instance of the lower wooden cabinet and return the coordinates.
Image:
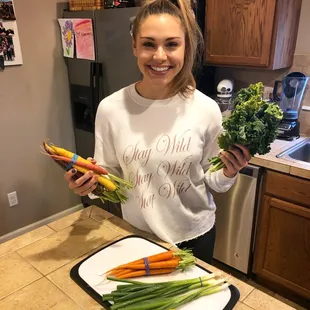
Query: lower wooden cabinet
(282, 250)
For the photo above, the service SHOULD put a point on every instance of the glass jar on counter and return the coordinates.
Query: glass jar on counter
(225, 104)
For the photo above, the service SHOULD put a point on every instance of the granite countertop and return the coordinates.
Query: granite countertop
(289, 166)
(34, 267)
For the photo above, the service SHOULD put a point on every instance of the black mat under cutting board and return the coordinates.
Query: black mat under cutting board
(74, 274)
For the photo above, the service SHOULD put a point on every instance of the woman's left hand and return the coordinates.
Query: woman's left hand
(236, 158)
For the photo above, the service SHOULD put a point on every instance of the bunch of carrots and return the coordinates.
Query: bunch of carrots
(162, 263)
(110, 187)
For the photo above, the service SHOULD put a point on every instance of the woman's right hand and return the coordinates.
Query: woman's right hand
(83, 185)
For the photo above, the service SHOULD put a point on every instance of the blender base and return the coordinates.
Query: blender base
(289, 130)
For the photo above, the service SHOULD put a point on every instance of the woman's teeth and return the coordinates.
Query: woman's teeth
(160, 69)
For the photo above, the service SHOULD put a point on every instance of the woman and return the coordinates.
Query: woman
(161, 132)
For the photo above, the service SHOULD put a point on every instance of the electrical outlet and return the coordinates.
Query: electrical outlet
(13, 201)
(268, 92)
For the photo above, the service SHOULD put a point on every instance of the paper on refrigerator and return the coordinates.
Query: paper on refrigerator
(84, 39)
(67, 36)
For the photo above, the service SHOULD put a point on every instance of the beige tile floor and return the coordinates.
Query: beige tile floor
(34, 268)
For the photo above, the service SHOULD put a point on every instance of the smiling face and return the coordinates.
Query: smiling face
(159, 47)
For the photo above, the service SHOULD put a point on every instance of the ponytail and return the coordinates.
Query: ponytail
(184, 82)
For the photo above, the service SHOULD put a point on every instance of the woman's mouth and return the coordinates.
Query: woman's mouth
(160, 69)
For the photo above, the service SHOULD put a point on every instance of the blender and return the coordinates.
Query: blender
(292, 91)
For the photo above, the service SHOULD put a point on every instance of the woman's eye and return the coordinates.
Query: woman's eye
(148, 44)
(172, 44)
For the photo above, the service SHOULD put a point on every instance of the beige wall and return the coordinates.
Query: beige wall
(303, 39)
(34, 100)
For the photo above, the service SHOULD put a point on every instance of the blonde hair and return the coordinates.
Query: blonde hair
(184, 82)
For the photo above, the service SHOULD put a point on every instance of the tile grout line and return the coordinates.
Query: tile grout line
(77, 221)
(58, 268)
(247, 305)
(44, 275)
(248, 294)
(53, 283)
(25, 259)
(51, 227)
(21, 287)
(22, 247)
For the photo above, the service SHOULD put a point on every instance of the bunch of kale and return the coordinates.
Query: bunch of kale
(253, 123)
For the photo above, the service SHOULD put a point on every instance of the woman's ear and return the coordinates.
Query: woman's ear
(134, 47)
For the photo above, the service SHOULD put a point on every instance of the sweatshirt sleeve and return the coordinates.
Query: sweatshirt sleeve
(105, 153)
(215, 180)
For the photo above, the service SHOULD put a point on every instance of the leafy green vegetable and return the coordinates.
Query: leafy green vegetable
(253, 123)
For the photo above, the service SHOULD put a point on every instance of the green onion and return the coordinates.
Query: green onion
(163, 295)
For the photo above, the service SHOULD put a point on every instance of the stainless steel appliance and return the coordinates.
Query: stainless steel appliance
(236, 220)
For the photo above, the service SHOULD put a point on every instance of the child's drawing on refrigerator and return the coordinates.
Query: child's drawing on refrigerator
(83, 29)
(67, 37)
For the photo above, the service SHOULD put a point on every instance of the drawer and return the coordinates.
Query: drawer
(287, 187)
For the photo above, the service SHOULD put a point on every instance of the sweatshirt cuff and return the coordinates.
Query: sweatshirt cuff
(224, 180)
(92, 196)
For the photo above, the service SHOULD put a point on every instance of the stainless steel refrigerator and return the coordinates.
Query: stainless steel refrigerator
(90, 81)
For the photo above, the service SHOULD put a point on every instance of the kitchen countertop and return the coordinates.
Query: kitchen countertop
(34, 267)
(289, 166)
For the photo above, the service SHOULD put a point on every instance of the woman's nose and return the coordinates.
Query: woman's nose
(160, 54)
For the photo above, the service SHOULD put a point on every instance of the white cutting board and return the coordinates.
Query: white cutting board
(133, 248)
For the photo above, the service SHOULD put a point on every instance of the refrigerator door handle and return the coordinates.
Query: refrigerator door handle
(95, 74)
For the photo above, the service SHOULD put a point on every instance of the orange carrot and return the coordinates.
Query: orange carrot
(122, 272)
(140, 273)
(181, 259)
(89, 166)
(117, 271)
(171, 263)
(151, 259)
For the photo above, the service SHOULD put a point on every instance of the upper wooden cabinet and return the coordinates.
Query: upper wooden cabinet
(256, 33)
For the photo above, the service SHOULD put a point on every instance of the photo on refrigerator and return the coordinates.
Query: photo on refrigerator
(9, 43)
(7, 11)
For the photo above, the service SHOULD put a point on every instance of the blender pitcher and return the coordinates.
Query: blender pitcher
(293, 88)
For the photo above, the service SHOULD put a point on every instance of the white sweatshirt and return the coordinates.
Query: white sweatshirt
(163, 147)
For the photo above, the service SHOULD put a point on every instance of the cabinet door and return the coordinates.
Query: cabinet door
(282, 253)
(239, 32)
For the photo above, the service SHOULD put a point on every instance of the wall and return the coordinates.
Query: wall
(303, 42)
(34, 101)
(243, 77)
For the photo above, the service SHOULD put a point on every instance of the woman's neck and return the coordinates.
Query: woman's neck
(152, 92)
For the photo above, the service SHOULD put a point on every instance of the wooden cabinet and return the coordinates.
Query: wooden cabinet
(282, 251)
(256, 33)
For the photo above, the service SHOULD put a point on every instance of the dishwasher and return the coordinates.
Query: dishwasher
(236, 216)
